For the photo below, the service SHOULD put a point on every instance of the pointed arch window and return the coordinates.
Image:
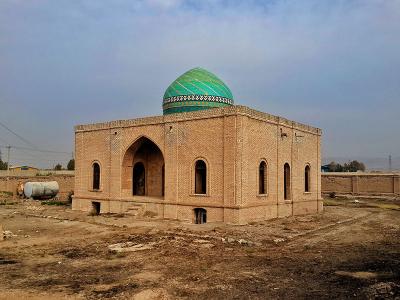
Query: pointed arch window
(286, 181)
(307, 178)
(96, 176)
(200, 180)
(262, 178)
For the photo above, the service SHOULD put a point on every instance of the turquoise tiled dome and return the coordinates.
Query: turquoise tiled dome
(196, 89)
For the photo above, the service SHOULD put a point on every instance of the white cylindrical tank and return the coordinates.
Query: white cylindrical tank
(41, 190)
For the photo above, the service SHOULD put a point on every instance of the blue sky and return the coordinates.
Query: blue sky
(332, 64)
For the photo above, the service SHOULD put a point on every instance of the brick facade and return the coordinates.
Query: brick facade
(231, 141)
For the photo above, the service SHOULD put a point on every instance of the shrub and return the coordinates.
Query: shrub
(71, 165)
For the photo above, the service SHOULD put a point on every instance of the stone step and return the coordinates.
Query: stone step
(135, 209)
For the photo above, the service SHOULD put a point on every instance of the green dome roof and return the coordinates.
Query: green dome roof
(196, 89)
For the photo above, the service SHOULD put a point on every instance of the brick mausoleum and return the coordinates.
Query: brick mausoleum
(203, 160)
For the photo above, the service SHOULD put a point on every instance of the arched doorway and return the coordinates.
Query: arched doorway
(163, 180)
(142, 169)
(139, 180)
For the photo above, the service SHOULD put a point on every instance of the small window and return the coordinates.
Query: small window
(307, 178)
(200, 216)
(200, 177)
(96, 208)
(262, 178)
(96, 176)
(286, 181)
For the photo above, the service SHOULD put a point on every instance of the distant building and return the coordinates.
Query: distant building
(325, 168)
(23, 169)
(203, 160)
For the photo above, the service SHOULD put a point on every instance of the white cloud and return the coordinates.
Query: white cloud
(325, 63)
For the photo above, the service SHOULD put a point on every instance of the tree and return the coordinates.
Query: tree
(335, 167)
(339, 168)
(58, 167)
(332, 166)
(71, 164)
(3, 165)
(351, 166)
(354, 166)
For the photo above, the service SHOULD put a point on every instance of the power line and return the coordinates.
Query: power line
(25, 154)
(18, 136)
(37, 150)
(42, 150)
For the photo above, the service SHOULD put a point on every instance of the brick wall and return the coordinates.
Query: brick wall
(231, 141)
(65, 182)
(361, 183)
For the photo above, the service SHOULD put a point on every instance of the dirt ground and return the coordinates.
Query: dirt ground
(352, 250)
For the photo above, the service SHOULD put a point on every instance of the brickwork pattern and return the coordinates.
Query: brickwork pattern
(65, 182)
(361, 183)
(232, 141)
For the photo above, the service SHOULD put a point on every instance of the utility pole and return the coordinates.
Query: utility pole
(8, 160)
(8, 166)
(390, 163)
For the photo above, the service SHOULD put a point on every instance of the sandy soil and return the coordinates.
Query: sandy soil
(350, 251)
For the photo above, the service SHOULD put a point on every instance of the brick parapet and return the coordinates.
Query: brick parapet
(231, 141)
(204, 114)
